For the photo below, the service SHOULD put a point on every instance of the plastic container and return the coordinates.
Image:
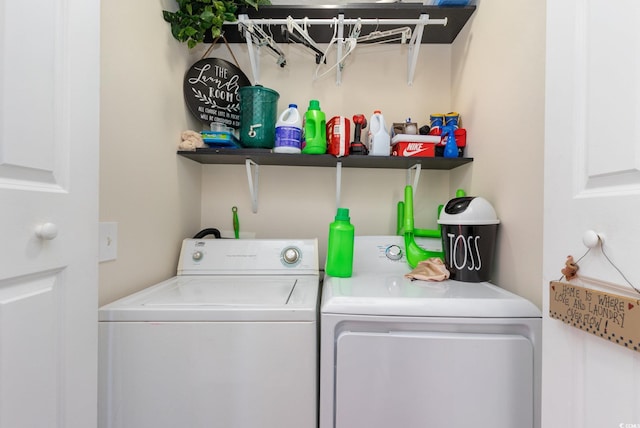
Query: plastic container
(289, 131)
(452, 119)
(379, 138)
(338, 133)
(315, 132)
(407, 128)
(461, 142)
(410, 127)
(451, 147)
(469, 228)
(224, 139)
(436, 122)
(340, 246)
(452, 2)
(258, 115)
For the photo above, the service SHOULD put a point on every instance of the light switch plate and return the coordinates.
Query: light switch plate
(108, 245)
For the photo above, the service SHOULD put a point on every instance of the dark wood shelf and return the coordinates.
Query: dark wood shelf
(265, 157)
(457, 17)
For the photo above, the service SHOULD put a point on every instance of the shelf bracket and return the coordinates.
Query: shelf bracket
(339, 47)
(254, 52)
(417, 167)
(338, 183)
(252, 177)
(414, 47)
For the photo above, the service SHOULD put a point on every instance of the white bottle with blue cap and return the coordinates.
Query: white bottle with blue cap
(288, 131)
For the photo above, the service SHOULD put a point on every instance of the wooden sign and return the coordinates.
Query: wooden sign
(609, 316)
(211, 91)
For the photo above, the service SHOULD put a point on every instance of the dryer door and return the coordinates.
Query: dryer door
(430, 379)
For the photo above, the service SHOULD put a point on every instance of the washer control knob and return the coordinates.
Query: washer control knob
(291, 255)
(393, 252)
(197, 255)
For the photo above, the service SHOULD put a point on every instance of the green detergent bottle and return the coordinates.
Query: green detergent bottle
(340, 246)
(315, 130)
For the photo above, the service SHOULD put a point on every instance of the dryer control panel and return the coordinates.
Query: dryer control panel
(386, 253)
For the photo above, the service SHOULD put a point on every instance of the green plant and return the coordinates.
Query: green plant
(194, 18)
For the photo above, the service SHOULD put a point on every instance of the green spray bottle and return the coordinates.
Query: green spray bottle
(340, 246)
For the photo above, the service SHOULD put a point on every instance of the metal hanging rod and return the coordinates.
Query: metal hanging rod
(340, 22)
(348, 21)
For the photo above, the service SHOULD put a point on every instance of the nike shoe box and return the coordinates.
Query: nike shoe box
(407, 145)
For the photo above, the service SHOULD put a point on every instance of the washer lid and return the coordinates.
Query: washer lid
(220, 298)
(395, 295)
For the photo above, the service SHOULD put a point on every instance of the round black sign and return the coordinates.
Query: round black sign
(211, 91)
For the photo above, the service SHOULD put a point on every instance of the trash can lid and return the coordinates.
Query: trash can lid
(471, 210)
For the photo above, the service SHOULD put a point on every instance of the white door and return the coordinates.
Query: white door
(49, 113)
(592, 182)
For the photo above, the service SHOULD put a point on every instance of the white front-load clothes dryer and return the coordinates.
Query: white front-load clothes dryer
(418, 354)
(229, 342)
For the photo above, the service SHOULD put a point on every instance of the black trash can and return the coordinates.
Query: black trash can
(469, 228)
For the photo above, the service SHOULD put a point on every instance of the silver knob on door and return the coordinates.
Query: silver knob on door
(47, 231)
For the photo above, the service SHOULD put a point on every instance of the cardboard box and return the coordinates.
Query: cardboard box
(414, 145)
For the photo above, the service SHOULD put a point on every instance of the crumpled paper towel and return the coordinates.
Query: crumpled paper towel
(432, 269)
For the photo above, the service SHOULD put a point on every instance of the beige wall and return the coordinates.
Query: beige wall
(151, 193)
(498, 82)
(158, 198)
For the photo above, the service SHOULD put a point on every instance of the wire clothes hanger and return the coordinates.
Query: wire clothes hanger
(260, 38)
(349, 44)
(401, 33)
(294, 32)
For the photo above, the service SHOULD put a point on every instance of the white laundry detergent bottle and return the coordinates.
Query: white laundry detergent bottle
(288, 131)
(379, 138)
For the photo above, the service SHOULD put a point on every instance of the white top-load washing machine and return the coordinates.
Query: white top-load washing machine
(416, 354)
(231, 341)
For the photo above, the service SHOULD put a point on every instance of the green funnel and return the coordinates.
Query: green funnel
(414, 252)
